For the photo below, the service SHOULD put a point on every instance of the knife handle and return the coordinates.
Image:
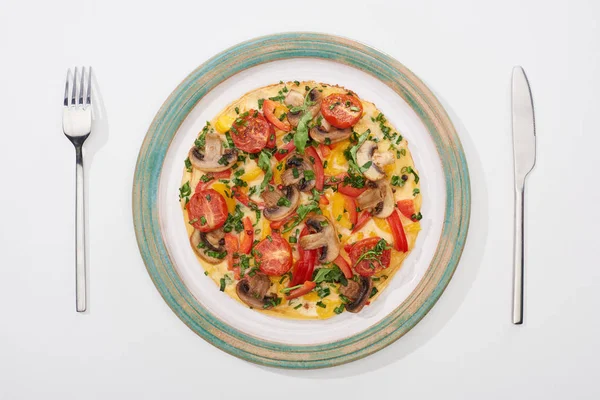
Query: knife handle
(519, 250)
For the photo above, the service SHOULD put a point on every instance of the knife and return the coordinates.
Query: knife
(523, 129)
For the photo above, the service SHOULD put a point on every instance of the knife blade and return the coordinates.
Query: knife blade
(523, 130)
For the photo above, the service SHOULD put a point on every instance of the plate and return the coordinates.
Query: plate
(407, 103)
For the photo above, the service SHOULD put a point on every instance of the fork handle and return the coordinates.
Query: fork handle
(80, 279)
(519, 249)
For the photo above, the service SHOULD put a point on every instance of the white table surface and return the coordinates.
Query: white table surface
(130, 344)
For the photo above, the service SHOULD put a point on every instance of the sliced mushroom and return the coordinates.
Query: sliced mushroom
(209, 242)
(357, 292)
(296, 99)
(379, 199)
(213, 157)
(325, 132)
(322, 235)
(252, 290)
(295, 165)
(369, 152)
(277, 209)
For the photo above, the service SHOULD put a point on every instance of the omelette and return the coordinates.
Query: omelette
(301, 200)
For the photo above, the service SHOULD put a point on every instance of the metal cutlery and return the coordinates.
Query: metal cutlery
(77, 126)
(523, 128)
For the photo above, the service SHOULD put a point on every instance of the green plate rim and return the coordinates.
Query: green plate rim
(273, 48)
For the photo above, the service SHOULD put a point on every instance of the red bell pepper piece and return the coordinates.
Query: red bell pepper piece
(323, 201)
(212, 178)
(344, 266)
(317, 167)
(246, 236)
(278, 224)
(324, 149)
(232, 246)
(406, 207)
(244, 199)
(400, 242)
(306, 263)
(363, 218)
(287, 148)
(301, 291)
(351, 208)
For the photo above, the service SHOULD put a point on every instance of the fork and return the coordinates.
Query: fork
(77, 126)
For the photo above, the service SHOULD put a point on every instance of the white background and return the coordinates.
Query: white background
(130, 344)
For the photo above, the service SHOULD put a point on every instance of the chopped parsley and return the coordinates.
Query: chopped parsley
(185, 191)
(339, 309)
(188, 165)
(416, 191)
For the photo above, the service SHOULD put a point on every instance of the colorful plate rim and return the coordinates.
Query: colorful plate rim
(273, 48)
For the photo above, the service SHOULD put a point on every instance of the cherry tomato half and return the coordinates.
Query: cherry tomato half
(274, 255)
(369, 266)
(341, 110)
(207, 209)
(250, 133)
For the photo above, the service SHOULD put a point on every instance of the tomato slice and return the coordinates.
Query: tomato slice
(207, 209)
(317, 167)
(245, 200)
(269, 110)
(273, 255)
(284, 150)
(250, 132)
(344, 266)
(351, 208)
(400, 242)
(301, 291)
(368, 267)
(341, 110)
(246, 236)
(212, 177)
(363, 218)
(407, 208)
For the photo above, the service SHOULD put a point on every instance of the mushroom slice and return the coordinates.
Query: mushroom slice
(296, 99)
(379, 198)
(209, 244)
(252, 290)
(322, 235)
(369, 152)
(277, 209)
(325, 132)
(357, 292)
(213, 157)
(295, 165)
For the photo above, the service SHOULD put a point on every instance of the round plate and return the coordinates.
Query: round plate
(407, 103)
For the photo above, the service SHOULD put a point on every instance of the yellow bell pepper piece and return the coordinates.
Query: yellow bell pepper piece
(338, 203)
(251, 174)
(224, 190)
(266, 229)
(224, 123)
(336, 161)
(328, 311)
(382, 224)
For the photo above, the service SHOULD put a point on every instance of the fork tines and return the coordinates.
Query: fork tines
(80, 94)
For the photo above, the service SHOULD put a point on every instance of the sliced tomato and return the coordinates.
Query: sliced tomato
(324, 150)
(363, 217)
(406, 207)
(269, 110)
(250, 132)
(400, 242)
(351, 208)
(368, 267)
(307, 287)
(283, 151)
(212, 177)
(273, 255)
(245, 200)
(341, 110)
(317, 167)
(350, 190)
(344, 266)
(246, 236)
(278, 224)
(208, 210)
